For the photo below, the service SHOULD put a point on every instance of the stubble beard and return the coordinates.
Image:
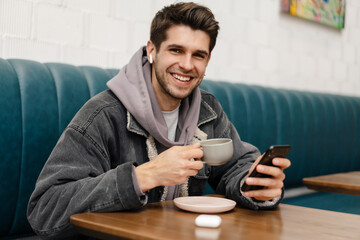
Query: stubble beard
(161, 80)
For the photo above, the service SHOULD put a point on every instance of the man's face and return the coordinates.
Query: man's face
(179, 65)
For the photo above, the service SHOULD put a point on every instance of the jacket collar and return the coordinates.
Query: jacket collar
(207, 114)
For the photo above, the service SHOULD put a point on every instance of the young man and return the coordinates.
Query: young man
(133, 144)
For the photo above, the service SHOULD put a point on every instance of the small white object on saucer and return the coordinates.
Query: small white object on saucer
(205, 220)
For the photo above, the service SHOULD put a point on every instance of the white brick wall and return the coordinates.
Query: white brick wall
(79, 55)
(267, 60)
(257, 44)
(58, 24)
(1, 47)
(268, 11)
(244, 9)
(14, 25)
(258, 33)
(30, 49)
(100, 7)
(324, 68)
(134, 10)
(107, 33)
(55, 2)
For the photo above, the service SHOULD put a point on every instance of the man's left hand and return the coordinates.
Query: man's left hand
(272, 185)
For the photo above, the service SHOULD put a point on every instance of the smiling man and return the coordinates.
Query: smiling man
(135, 143)
(179, 64)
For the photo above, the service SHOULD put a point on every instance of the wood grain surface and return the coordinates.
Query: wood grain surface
(164, 220)
(347, 183)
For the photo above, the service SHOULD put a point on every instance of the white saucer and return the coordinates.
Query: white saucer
(204, 204)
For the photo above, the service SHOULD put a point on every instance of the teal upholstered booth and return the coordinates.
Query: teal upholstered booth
(37, 101)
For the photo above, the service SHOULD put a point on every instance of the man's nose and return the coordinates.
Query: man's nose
(186, 63)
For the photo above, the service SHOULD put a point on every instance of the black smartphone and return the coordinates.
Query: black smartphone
(272, 152)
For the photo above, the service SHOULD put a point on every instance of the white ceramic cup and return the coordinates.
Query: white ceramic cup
(217, 151)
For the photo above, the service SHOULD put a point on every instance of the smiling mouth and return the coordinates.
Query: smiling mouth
(181, 78)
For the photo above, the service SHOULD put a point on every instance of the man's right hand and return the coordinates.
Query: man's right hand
(171, 167)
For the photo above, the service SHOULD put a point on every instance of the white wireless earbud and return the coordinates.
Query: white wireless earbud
(151, 60)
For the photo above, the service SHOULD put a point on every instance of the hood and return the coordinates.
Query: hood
(132, 85)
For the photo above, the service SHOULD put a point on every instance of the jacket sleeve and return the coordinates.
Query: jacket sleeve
(78, 178)
(227, 179)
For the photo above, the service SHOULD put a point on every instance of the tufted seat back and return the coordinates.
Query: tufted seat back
(37, 101)
(323, 129)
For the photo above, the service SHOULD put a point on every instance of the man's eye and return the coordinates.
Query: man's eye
(175, 50)
(199, 56)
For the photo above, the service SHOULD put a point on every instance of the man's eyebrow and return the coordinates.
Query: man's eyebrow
(175, 46)
(181, 47)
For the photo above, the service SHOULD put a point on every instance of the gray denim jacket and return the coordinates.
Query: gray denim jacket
(90, 168)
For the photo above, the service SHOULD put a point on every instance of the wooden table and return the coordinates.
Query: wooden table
(165, 221)
(348, 183)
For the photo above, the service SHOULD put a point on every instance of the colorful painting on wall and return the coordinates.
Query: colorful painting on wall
(329, 12)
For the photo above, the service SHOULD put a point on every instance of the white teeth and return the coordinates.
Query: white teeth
(184, 79)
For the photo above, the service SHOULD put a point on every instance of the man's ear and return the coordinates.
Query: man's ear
(150, 49)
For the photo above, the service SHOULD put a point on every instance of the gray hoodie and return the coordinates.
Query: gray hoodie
(132, 85)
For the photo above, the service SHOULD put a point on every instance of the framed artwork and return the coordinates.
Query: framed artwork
(328, 12)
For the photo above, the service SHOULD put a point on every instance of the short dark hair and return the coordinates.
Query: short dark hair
(189, 14)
